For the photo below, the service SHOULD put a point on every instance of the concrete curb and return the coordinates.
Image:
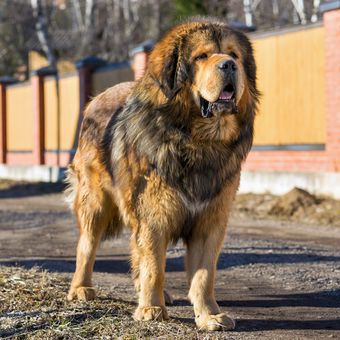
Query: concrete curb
(279, 183)
(40, 173)
(258, 182)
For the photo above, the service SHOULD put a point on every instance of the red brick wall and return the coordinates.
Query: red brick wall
(295, 161)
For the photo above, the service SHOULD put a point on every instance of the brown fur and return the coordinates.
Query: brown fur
(150, 160)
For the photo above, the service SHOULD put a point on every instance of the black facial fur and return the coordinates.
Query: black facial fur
(206, 109)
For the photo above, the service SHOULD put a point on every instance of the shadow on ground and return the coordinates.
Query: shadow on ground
(176, 264)
(23, 189)
(120, 264)
(251, 325)
(323, 299)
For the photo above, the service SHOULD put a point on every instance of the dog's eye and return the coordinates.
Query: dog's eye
(201, 57)
(233, 55)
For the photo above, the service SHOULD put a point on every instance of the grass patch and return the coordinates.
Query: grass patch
(33, 306)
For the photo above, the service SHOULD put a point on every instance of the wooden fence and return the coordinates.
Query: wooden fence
(292, 110)
(291, 77)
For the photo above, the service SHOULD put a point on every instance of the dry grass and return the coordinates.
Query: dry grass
(33, 306)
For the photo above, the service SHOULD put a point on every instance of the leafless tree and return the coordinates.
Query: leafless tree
(42, 31)
(72, 29)
(276, 13)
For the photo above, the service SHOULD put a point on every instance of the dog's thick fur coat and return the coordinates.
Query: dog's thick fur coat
(163, 157)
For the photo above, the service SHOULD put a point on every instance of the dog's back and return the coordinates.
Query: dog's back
(96, 118)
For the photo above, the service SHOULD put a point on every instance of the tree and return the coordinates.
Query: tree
(42, 32)
(72, 29)
(277, 13)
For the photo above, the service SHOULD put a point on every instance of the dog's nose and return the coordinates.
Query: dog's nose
(227, 65)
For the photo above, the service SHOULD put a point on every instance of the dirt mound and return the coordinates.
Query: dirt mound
(296, 205)
(293, 202)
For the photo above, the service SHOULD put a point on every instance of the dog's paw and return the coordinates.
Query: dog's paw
(157, 313)
(218, 322)
(81, 293)
(168, 298)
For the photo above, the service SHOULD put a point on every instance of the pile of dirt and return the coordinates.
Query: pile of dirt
(293, 203)
(297, 205)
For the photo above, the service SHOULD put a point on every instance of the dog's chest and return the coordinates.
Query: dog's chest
(193, 206)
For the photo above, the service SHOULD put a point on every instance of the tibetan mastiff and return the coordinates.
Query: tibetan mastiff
(163, 156)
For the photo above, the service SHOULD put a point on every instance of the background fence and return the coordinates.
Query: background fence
(292, 113)
(292, 79)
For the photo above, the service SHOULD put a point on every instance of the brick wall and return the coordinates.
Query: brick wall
(292, 161)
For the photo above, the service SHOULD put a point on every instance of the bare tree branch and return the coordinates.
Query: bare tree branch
(42, 32)
(77, 14)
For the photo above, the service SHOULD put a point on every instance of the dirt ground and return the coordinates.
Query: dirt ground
(278, 273)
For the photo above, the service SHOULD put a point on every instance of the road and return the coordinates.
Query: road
(280, 280)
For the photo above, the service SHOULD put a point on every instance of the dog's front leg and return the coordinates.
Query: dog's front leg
(202, 255)
(203, 249)
(149, 251)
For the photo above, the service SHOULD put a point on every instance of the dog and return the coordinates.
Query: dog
(163, 157)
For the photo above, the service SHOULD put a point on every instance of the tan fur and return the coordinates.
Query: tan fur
(122, 176)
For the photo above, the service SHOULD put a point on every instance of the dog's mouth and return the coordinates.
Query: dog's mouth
(224, 103)
(227, 95)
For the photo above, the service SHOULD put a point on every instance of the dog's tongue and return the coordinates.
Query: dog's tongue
(226, 95)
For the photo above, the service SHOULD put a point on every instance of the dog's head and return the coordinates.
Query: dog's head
(208, 61)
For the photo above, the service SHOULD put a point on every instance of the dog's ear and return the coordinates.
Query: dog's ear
(168, 67)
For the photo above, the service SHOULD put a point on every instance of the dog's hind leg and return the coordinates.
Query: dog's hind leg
(95, 213)
(81, 286)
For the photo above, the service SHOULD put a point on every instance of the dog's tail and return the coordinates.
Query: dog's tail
(71, 181)
(114, 226)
